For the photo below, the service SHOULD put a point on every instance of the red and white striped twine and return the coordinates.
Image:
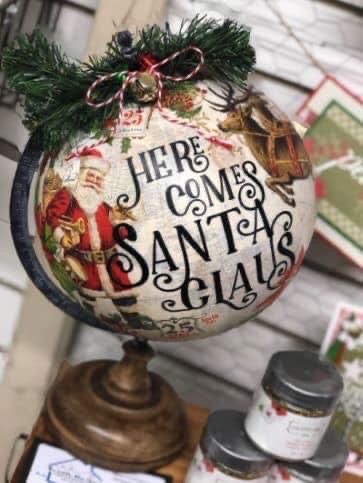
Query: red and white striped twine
(153, 69)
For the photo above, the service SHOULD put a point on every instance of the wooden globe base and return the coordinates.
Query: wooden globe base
(117, 415)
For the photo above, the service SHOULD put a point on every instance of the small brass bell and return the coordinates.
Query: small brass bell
(144, 87)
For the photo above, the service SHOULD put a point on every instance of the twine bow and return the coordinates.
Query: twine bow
(152, 68)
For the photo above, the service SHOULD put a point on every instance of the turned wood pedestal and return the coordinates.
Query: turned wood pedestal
(118, 415)
(43, 430)
(177, 469)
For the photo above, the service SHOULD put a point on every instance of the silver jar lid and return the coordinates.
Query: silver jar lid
(304, 380)
(225, 442)
(328, 461)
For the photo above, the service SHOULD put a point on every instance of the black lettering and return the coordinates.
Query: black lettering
(170, 198)
(247, 300)
(192, 188)
(159, 164)
(240, 274)
(145, 171)
(288, 239)
(259, 269)
(198, 162)
(123, 232)
(185, 237)
(194, 141)
(238, 176)
(135, 180)
(180, 150)
(159, 245)
(185, 297)
(226, 224)
(218, 192)
(259, 223)
(218, 287)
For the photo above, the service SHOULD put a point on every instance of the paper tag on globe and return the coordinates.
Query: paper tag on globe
(69, 171)
(55, 465)
(135, 120)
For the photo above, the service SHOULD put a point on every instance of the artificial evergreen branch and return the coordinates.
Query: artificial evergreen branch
(54, 87)
(228, 54)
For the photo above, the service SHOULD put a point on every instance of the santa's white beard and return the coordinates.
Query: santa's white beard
(88, 199)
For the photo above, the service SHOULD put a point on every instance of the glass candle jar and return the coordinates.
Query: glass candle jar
(292, 408)
(226, 454)
(324, 467)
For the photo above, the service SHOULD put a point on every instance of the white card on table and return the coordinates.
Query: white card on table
(54, 465)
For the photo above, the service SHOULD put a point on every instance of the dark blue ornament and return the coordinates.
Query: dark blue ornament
(124, 38)
(129, 53)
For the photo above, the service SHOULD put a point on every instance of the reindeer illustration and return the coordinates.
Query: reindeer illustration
(271, 139)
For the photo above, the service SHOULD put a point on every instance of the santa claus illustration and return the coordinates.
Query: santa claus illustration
(82, 224)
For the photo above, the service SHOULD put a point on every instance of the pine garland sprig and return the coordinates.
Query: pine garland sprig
(53, 87)
(229, 56)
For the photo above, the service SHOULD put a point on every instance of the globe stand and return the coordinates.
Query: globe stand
(118, 415)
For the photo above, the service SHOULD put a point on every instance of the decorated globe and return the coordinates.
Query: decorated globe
(188, 218)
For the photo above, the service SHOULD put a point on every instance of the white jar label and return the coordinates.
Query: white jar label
(282, 433)
(280, 474)
(202, 470)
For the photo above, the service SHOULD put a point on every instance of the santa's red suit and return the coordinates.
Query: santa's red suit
(96, 245)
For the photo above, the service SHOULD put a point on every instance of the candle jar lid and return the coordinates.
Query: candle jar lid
(225, 442)
(328, 461)
(303, 380)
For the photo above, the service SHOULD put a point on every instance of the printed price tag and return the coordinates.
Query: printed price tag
(69, 170)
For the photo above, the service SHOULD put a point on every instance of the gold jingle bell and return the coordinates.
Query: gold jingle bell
(144, 87)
